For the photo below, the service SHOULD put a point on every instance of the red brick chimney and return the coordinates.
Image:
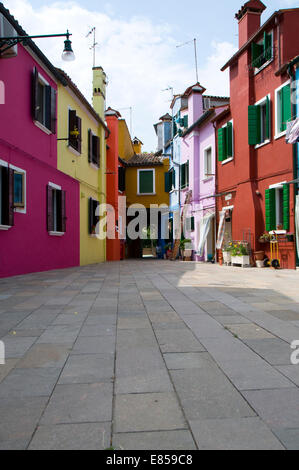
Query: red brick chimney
(249, 17)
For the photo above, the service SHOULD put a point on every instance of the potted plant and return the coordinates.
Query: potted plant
(226, 252)
(186, 253)
(239, 254)
(168, 250)
(264, 238)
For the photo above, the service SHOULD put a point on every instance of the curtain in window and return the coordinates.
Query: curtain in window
(204, 228)
(221, 230)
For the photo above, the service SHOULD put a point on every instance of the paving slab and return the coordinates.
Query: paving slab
(79, 403)
(249, 331)
(234, 434)
(16, 346)
(20, 383)
(87, 369)
(83, 436)
(290, 371)
(175, 340)
(148, 412)
(94, 345)
(146, 381)
(273, 350)
(190, 360)
(59, 334)
(45, 355)
(158, 440)
(288, 437)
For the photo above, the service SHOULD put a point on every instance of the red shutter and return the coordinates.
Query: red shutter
(63, 211)
(34, 99)
(50, 214)
(10, 197)
(53, 118)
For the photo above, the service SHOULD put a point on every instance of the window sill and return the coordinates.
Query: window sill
(56, 234)
(278, 136)
(74, 151)
(262, 144)
(42, 127)
(146, 194)
(5, 227)
(230, 159)
(94, 166)
(208, 178)
(257, 71)
(277, 232)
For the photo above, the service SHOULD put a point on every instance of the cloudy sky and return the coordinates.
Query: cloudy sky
(137, 47)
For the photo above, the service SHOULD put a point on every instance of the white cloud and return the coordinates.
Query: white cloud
(138, 56)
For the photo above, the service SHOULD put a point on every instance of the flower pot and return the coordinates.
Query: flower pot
(259, 264)
(186, 253)
(259, 255)
(240, 260)
(226, 257)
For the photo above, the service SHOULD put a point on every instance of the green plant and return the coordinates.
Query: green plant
(228, 247)
(265, 237)
(184, 242)
(238, 249)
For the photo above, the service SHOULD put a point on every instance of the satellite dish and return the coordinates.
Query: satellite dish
(293, 132)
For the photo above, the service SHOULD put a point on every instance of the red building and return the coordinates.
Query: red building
(115, 183)
(255, 164)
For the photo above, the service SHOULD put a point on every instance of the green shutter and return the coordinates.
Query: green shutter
(286, 109)
(254, 125)
(186, 121)
(187, 173)
(270, 209)
(222, 144)
(146, 183)
(286, 207)
(268, 129)
(257, 55)
(192, 224)
(175, 128)
(183, 175)
(267, 46)
(167, 182)
(229, 140)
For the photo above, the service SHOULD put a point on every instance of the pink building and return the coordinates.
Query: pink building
(39, 205)
(198, 157)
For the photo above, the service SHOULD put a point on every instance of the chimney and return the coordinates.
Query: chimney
(99, 90)
(137, 145)
(249, 17)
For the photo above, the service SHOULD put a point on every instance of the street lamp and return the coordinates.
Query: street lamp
(11, 41)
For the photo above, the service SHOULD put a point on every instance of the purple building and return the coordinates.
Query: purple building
(197, 171)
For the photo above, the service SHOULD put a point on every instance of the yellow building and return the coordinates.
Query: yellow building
(82, 155)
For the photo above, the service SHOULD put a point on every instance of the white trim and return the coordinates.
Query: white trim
(277, 185)
(227, 208)
(42, 127)
(56, 234)
(75, 152)
(205, 176)
(55, 186)
(21, 210)
(5, 227)
(153, 170)
(278, 133)
(278, 232)
(260, 42)
(94, 166)
(230, 159)
(259, 103)
(43, 80)
(3, 163)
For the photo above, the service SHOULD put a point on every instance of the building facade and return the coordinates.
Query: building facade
(255, 165)
(39, 216)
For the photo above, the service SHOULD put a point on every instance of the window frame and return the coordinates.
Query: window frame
(153, 170)
(260, 103)
(55, 233)
(229, 159)
(71, 147)
(206, 176)
(278, 132)
(278, 186)
(21, 208)
(265, 64)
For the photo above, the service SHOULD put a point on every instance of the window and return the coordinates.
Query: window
(283, 108)
(93, 219)
(259, 122)
(184, 169)
(208, 162)
(226, 142)
(169, 180)
(93, 148)
(43, 102)
(146, 181)
(262, 52)
(56, 209)
(277, 207)
(190, 224)
(19, 189)
(6, 196)
(75, 136)
(121, 178)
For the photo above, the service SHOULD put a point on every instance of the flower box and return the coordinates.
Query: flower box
(241, 260)
(226, 257)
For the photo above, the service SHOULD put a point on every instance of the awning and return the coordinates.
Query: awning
(292, 135)
(204, 228)
(221, 229)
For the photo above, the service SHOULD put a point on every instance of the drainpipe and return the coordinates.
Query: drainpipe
(278, 41)
(216, 188)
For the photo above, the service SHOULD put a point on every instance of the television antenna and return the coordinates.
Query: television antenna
(93, 47)
(195, 54)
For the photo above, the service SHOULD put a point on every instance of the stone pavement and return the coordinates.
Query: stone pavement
(150, 354)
